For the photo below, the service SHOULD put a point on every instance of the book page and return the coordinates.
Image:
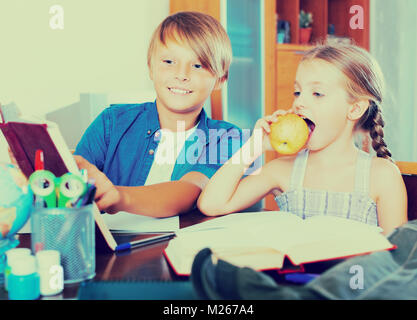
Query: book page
(266, 229)
(247, 220)
(328, 237)
(12, 113)
(232, 245)
(9, 112)
(338, 247)
(329, 223)
(125, 222)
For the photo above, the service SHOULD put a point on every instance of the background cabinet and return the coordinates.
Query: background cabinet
(326, 12)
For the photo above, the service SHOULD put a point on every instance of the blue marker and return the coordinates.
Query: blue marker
(145, 242)
(86, 199)
(300, 278)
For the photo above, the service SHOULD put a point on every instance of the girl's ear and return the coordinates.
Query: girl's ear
(357, 109)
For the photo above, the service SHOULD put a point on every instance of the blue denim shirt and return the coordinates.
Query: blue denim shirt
(122, 141)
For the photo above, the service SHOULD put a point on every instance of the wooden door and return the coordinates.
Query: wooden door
(287, 59)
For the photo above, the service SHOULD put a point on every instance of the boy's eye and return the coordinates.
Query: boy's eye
(317, 94)
(296, 93)
(167, 61)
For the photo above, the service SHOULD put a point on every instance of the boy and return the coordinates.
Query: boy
(139, 154)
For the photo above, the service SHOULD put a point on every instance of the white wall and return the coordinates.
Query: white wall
(102, 49)
(393, 41)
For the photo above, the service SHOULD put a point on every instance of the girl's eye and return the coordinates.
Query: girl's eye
(317, 94)
(296, 93)
(167, 61)
(198, 66)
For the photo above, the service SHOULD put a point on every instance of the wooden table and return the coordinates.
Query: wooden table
(146, 263)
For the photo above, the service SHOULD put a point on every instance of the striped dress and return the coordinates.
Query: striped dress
(305, 203)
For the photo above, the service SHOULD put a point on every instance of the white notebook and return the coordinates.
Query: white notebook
(125, 222)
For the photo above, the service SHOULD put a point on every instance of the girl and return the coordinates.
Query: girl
(339, 90)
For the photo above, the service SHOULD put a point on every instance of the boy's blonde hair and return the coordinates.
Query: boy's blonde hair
(364, 80)
(204, 34)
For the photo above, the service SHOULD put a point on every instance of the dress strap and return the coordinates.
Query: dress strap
(363, 172)
(298, 170)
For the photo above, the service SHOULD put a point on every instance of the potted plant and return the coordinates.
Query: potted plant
(306, 19)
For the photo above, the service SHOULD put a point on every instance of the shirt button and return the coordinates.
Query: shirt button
(149, 132)
(151, 152)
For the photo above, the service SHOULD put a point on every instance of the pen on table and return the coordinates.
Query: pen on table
(301, 278)
(144, 242)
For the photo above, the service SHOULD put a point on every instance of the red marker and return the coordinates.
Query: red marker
(39, 160)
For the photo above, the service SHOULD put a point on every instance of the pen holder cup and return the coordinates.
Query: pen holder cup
(71, 232)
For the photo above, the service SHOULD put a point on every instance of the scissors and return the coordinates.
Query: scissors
(57, 191)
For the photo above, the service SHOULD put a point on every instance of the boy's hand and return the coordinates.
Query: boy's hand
(264, 125)
(107, 194)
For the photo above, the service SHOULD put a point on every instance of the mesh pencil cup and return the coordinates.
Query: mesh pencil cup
(71, 232)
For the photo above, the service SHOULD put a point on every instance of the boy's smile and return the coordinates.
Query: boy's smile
(180, 91)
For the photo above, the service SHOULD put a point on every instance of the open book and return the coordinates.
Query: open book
(263, 240)
(26, 135)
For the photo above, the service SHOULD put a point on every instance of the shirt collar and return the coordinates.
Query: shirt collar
(154, 125)
(202, 125)
(152, 119)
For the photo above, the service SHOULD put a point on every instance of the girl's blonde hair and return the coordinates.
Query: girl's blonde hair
(364, 81)
(204, 34)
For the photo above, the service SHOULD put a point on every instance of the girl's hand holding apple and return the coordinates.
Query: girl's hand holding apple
(283, 131)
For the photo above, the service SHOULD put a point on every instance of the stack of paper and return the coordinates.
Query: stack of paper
(125, 222)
